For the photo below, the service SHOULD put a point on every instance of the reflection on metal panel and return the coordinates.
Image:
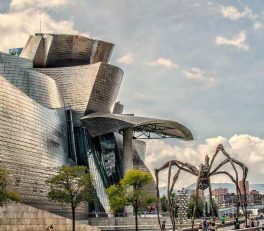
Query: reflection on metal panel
(37, 86)
(57, 50)
(88, 87)
(99, 186)
(32, 143)
(15, 51)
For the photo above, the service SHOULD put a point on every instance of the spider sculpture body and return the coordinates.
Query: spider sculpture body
(203, 175)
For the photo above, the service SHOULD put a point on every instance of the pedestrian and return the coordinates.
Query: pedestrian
(163, 226)
(222, 220)
(214, 228)
(200, 227)
(50, 228)
(257, 222)
(236, 223)
(204, 225)
(252, 223)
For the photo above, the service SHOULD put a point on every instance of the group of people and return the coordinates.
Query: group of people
(253, 222)
(150, 210)
(207, 225)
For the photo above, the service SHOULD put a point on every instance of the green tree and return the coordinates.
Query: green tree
(164, 203)
(129, 192)
(174, 204)
(199, 208)
(72, 185)
(5, 193)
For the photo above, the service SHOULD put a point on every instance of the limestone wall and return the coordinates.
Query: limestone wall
(20, 217)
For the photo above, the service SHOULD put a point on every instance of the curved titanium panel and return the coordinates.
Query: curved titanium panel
(37, 86)
(103, 123)
(15, 61)
(96, 84)
(105, 89)
(33, 143)
(60, 50)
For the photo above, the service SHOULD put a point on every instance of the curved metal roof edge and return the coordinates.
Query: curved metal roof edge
(134, 122)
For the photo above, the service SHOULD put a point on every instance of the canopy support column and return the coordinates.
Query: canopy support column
(127, 150)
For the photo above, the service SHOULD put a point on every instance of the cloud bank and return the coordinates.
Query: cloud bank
(246, 148)
(24, 18)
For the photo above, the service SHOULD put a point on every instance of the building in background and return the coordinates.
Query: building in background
(58, 106)
(219, 194)
(230, 200)
(200, 194)
(254, 198)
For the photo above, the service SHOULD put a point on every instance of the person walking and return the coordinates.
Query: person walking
(163, 226)
(222, 221)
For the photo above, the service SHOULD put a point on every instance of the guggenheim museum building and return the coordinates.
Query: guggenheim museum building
(58, 107)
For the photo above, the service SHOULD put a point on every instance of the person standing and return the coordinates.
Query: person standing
(236, 223)
(204, 224)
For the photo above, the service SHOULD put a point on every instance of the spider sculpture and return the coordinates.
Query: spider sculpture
(203, 175)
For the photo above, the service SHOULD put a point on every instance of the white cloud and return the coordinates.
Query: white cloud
(238, 41)
(193, 73)
(17, 25)
(26, 4)
(233, 13)
(257, 25)
(197, 74)
(127, 59)
(167, 63)
(248, 149)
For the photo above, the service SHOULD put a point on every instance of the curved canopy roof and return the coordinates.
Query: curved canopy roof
(103, 123)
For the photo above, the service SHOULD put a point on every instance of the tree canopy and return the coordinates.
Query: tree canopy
(72, 185)
(129, 191)
(199, 209)
(5, 193)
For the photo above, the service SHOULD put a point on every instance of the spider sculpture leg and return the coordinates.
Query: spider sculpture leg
(211, 199)
(235, 182)
(181, 166)
(239, 194)
(244, 170)
(195, 200)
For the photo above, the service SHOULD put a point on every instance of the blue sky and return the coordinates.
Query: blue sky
(222, 93)
(196, 62)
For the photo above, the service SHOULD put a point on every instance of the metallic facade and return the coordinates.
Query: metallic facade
(56, 104)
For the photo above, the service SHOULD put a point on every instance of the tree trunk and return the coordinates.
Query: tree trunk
(136, 217)
(73, 218)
